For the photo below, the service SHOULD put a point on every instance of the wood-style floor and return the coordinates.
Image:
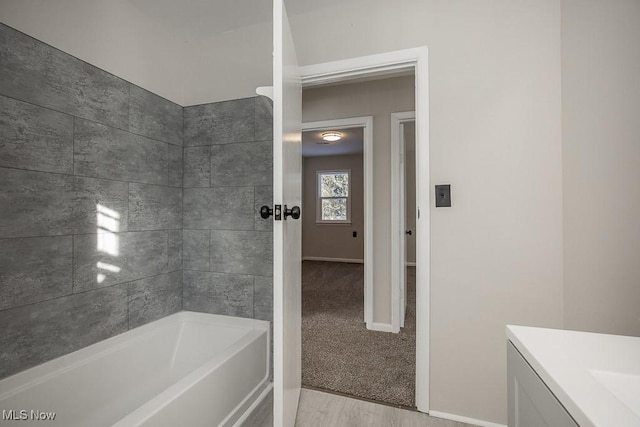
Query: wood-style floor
(318, 409)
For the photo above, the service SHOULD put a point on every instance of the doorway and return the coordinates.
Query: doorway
(377, 366)
(398, 62)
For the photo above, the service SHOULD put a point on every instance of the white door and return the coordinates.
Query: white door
(403, 227)
(287, 232)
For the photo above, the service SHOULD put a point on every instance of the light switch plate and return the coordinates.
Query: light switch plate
(443, 196)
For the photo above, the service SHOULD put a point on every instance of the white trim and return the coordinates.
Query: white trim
(410, 264)
(321, 258)
(418, 59)
(398, 215)
(380, 327)
(372, 65)
(365, 122)
(462, 419)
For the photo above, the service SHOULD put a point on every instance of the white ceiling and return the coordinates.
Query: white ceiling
(314, 146)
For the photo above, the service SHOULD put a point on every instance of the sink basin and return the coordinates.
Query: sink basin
(625, 387)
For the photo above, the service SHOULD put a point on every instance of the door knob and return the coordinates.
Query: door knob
(408, 232)
(294, 212)
(266, 212)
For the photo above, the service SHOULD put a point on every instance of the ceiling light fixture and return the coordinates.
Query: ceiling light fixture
(332, 136)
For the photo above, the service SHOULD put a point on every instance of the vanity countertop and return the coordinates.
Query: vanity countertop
(596, 377)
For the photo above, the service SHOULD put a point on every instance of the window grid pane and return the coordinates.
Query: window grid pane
(334, 184)
(334, 209)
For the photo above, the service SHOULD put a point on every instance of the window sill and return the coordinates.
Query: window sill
(333, 222)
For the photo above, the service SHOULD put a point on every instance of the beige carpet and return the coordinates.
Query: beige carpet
(338, 353)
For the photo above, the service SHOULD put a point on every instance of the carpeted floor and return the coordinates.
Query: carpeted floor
(338, 352)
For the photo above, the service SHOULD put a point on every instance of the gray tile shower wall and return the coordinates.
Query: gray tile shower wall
(227, 248)
(90, 203)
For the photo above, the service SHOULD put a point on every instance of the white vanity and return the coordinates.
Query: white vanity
(561, 378)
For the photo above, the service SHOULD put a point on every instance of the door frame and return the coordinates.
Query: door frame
(398, 215)
(365, 122)
(389, 64)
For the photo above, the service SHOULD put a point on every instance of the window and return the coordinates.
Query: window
(334, 197)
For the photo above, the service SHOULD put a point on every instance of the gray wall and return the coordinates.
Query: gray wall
(90, 204)
(228, 169)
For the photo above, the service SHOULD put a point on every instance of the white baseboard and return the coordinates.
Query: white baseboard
(320, 258)
(381, 327)
(410, 264)
(462, 419)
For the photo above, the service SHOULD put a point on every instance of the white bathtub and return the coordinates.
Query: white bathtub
(190, 369)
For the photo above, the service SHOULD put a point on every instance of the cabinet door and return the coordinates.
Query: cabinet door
(531, 403)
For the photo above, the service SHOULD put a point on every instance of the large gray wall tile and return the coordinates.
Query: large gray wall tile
(263, 298)
(154, 297)
(152, 207)
(106, 259)
(35, 333)
(175, 166)
(227, 294)
(242, 252)
(41, 204)
(242, 164)
(34, 269)
(174, 249)
(228, 208)
(197, 167)
(153, 116)
(196, 249)
(264, 119)
(105, 152)
(220, 122)
(263, 196)
(35, 138)
(37, 73)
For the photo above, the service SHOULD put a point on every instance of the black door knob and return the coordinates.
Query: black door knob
(294, 212)
(408, 232)
(266, 212)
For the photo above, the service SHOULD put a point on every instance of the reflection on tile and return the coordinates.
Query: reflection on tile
(197, 167)
(227, 294)
(245, 164)
(263, 197)
(175, 250)
(104, 152)
(35, 333)
(59, 204)
(228, 208)
(35, 138)
(196, 249)
(34, 269)
(242, 252)
(155, 117)
(153, 207)
(263, 298)
(220, 122)
(109, 258)
(40, 74)
(154, 297)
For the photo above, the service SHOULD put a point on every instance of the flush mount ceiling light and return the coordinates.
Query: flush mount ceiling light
(332, 136)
